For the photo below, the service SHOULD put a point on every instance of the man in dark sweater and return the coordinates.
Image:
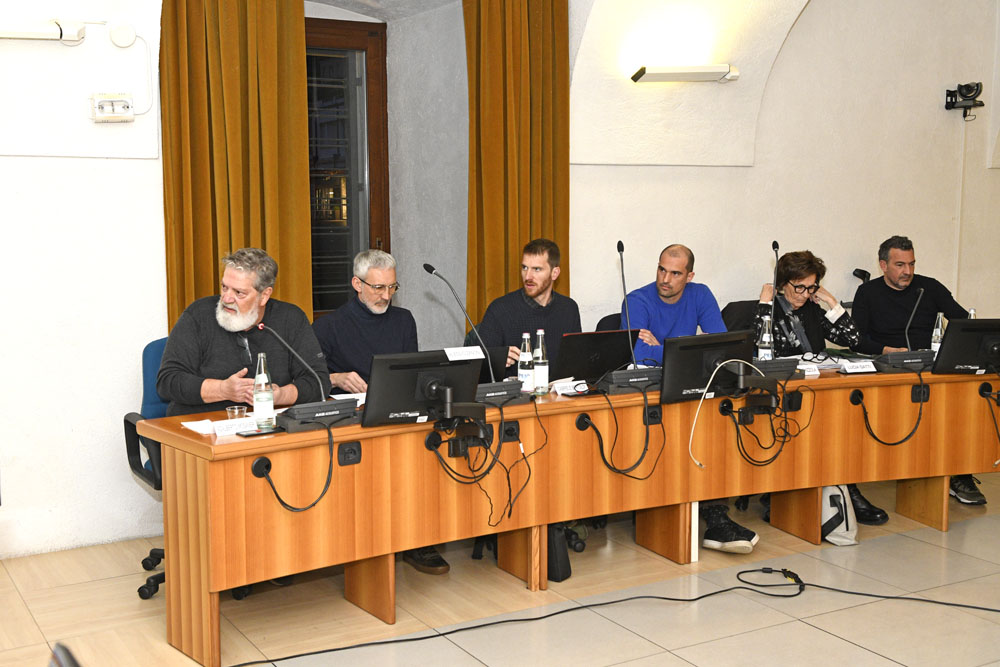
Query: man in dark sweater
(365, 326)
(211, 354)
(534, 306)
(882, 308)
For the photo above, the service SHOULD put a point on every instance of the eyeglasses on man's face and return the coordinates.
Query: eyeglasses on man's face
(390, 289)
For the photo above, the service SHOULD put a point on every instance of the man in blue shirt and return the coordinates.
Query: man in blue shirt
(671, 306)
(674, 306)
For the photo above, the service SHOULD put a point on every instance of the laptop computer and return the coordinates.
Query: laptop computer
(589, 355)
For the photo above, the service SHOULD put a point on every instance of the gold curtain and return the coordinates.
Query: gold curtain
(235, 143)
(518, 70)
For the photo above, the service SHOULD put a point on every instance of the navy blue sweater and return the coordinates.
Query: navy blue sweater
(351, 335)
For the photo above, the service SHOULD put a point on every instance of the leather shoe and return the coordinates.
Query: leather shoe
(864, 511)
(426, 559)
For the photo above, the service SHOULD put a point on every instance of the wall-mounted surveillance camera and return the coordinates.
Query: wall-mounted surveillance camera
(968, 92)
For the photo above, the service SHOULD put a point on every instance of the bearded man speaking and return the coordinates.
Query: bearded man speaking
(211, 354)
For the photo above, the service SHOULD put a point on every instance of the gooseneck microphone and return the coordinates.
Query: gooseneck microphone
(906, 331)
(322, 394)
(431, 270)
(628, 319)
(774, 285)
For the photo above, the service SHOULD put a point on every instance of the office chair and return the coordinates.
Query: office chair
(738, 315)
(611, 322)
(149, 472)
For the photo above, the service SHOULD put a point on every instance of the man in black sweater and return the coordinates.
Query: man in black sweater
(365, 326)
(535, 306)
(211, 354)
(882, 308)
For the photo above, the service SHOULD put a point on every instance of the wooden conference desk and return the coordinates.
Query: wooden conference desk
(223, 527)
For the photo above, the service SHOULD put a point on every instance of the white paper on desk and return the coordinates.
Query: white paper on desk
(360, 397)
(463, 353)
(203, 426)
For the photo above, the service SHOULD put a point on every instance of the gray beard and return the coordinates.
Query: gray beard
(237, 322)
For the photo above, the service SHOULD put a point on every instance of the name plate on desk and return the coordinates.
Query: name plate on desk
(234, 426)
(860, 366)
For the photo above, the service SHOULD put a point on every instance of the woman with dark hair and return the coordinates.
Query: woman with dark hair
(801, 327)
(800, 324)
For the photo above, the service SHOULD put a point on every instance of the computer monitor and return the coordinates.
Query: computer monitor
(688, 363)
(416, 386)
(969, 346)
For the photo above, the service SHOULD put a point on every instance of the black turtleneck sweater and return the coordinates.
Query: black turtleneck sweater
(351, 335)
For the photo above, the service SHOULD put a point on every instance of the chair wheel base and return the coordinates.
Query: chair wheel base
(240, 592)
(147, 591)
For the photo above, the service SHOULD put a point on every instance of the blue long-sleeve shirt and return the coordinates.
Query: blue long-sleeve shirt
(697, 307)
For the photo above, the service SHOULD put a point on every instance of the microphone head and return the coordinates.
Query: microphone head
(621, 247)
(774, 246)
(261, 326)
(429, 269)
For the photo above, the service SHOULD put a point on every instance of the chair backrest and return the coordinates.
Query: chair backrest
(153, 406)
(611, 322)
(738, 315)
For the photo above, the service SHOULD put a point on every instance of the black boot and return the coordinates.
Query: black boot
(864, 511)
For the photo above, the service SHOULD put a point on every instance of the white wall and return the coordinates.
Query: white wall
(852, 145)
(84, 258)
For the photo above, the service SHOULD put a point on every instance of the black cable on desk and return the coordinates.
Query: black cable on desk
(329, 470)
(858, 398)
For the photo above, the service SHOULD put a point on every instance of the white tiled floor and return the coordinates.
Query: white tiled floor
(86, 599)
(817, 627)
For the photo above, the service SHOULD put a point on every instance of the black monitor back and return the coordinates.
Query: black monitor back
(688, 363)
(969, 346)
(397, 388)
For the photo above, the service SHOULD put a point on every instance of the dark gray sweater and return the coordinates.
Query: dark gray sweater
(198, 348)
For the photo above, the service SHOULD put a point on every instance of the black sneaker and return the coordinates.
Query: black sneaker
(426, 559)
(724, 534)
(964, 488)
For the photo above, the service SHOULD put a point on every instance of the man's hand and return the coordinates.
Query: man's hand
(513, 355)
(236, 388)
(350, 382)
(887, 349)
(647, 337)
(285, 395)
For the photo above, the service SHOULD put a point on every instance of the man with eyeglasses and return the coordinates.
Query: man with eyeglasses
(211, 354)
(366, 325)
(883, 307)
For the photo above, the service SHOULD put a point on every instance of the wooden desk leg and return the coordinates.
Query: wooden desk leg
(371, 585)
(666, 531)
(525, 554)
(924, 500)
(798, 512)
(192, 610)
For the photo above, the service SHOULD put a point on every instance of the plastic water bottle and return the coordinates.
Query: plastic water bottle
(765, 344)
(541, 362)
(526, 365)
(263, 394)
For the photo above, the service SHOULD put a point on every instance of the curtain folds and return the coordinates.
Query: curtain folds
(235, 143)
(518, 71)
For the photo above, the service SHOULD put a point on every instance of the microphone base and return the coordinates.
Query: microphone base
(904, 362)
(631, 380)
(332, 408)
(496, 394)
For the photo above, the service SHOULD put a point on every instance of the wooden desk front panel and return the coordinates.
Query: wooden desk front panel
(399, 498)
